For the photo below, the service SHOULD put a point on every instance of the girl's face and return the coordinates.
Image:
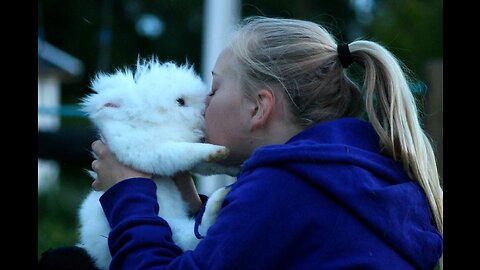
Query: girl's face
(228, 111)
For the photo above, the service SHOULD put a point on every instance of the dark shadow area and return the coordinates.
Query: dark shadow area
(69, 146)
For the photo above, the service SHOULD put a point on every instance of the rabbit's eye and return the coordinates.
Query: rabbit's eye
(181, 101)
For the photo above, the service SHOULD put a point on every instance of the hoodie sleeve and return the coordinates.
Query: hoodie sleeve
(245, 235)
(139, 239)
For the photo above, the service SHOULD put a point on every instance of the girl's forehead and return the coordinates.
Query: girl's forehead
(225, 67)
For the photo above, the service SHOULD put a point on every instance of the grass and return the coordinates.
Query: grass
(57, 210)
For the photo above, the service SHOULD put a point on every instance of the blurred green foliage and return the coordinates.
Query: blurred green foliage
(411, 29)
(77, 27)
(57, 209)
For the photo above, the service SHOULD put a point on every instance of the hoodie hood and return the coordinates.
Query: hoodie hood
(342, 159)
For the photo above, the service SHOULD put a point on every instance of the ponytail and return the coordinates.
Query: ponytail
(392, 111)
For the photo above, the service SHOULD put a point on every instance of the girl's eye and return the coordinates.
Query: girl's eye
(212, 92)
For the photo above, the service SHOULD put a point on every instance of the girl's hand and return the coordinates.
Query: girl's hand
(186, 186)
(109, 170)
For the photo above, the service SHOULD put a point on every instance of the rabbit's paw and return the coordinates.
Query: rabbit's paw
(220, 154)
(212, 209)
(215, 201)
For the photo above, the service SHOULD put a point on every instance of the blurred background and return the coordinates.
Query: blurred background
(77, 38)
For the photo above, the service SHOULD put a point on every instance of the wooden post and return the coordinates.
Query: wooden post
(220, 18)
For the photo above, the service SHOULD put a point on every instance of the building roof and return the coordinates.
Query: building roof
(52, 59)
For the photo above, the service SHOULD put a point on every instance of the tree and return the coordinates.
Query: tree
(411, 29)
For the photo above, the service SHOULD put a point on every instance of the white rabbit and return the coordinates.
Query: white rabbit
(152, 120)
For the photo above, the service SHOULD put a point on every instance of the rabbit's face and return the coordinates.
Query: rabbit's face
(157, 97)
(170, 95)
(114, 98)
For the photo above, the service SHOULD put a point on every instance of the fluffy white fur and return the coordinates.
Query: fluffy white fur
(152, 120)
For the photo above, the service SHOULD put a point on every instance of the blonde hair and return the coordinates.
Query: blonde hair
(299, 59)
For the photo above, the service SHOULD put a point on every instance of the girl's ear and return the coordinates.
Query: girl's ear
(262, 110)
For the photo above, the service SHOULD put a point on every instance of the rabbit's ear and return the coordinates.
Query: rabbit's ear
(111, 91)
(94, 103)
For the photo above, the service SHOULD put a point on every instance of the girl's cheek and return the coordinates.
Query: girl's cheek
(208, 120)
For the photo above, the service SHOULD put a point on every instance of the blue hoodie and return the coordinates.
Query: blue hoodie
(327, 199)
